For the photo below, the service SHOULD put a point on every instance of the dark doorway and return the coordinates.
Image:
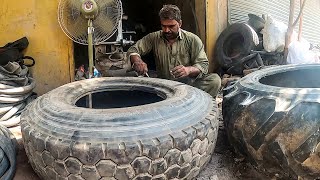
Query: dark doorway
(142, 17)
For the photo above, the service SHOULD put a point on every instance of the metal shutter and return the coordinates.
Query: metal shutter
(279, 9)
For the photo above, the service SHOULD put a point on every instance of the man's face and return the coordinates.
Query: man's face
(170, 28)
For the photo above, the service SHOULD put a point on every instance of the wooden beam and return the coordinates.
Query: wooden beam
(216, 22)
(200, 8)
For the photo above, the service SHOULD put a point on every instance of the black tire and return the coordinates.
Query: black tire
(235, 43)
(173, 138)
(272, 117)
(8, 154)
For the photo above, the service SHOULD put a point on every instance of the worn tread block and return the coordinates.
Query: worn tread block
(184, 171)
(132, 151)
(193, 173)
(90, 173)
(186, 157)
(60, 168)
(181, 140)
(201, 131)
(159, 177)
(106, 168)
(141, 165)
(87, 153)
(117, 155)
(73, 165)
(195, 146)
(63, 149)
(75, 177)
(166, 143)
(204, 146)
(158, 166)
(38, 141)
(47, 158)
(150, 149)
(51, 146)
(172, 171)
(38, 160)
(143, 177)
(172, 157)
(51, 173)
(124, 172)
(108, 178)
(195, 161)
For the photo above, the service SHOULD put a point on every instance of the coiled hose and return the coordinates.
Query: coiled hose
(15, 92)
(8, 152)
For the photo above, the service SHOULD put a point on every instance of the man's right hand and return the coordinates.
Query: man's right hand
(139, 66)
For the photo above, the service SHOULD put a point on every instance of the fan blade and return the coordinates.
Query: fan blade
(75, 26)
(71, 21)
(107, 22)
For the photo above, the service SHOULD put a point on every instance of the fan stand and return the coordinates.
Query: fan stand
(90, 52)
(89, 10)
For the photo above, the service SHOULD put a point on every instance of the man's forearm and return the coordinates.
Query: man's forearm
(134, 58)
(193, 71)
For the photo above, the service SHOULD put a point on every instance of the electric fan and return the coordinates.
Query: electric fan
(90, 22)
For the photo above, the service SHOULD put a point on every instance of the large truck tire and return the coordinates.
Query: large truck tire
(272, 116)
(171, 138)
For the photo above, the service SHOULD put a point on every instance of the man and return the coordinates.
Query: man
(179, 55)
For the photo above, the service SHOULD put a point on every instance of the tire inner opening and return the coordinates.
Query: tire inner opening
(303, 78)
(119, 99)
(233, 45)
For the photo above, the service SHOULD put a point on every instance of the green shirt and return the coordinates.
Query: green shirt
(188, 50)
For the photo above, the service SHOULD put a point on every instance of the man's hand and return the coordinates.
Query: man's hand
(138, 65)
(180, 71)
(183, 71)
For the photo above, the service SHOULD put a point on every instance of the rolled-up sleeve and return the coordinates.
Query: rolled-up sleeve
(199, 57)
(142, 47)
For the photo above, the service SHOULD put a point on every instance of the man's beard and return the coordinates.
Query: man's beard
(170, 36)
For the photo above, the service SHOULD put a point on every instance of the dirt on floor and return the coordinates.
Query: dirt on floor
(224, 164)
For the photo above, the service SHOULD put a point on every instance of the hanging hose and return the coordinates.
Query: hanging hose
(8, 153)
(15, 92)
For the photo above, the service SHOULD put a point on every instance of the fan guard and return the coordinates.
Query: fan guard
(75, 26)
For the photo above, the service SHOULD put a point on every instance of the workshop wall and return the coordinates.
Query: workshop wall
(52, 50)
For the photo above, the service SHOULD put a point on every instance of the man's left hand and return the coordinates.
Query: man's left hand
(180, 71)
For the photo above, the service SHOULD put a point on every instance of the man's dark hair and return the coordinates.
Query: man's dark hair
(171, 12)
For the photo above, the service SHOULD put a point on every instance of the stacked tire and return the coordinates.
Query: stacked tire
(172, 138)
(234, 46)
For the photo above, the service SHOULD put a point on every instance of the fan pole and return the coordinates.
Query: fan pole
(90, 52)
(90, 47)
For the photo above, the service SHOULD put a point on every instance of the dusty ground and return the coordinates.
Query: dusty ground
(224, 164)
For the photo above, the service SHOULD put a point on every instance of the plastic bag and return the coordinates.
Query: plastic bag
(299, 53)
(274, 33)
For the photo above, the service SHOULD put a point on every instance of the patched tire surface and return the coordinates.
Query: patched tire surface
(277, 128)
(173, 138)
